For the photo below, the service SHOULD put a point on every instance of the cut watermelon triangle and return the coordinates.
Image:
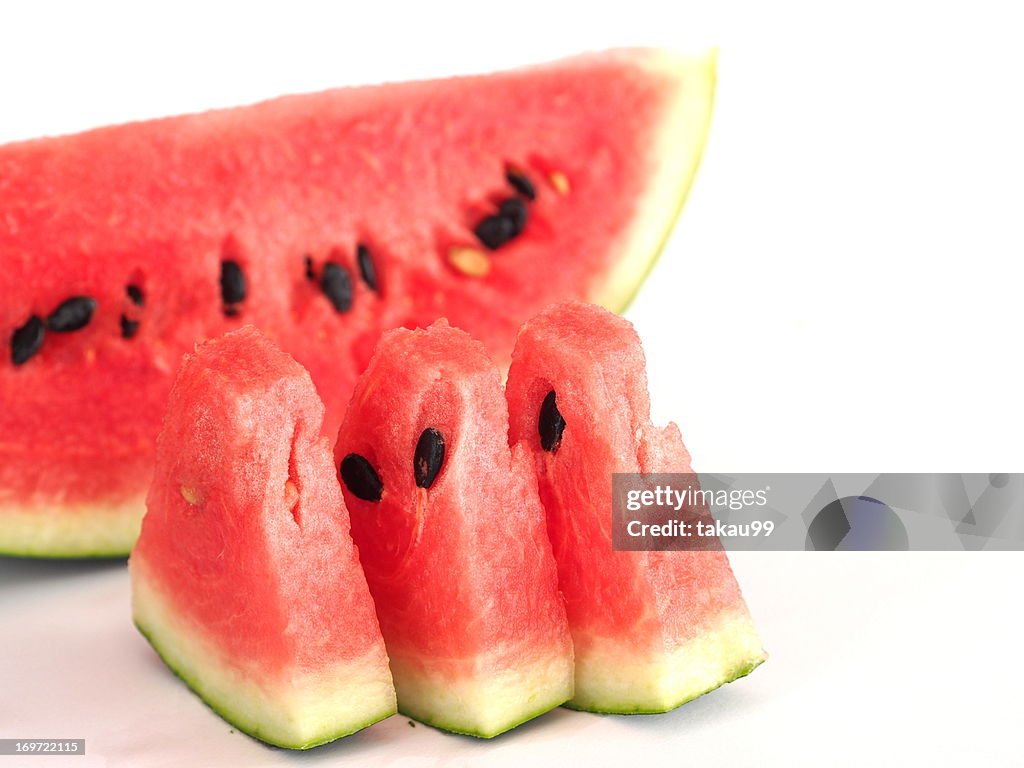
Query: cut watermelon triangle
(324, 219)
(451, 536)
(651, 630)
(245, 579)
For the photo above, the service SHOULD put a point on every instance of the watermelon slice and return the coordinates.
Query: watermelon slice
(451, 536)
(324, 219)
(651, 630)
(245, 579)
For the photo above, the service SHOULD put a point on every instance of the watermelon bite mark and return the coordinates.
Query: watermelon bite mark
(651, 630)
(245, 579)
(451, 537)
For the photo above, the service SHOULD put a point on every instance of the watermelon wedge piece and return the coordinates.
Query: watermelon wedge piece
(451, 536)
(324, 219)
(651, 630)
(245, 579)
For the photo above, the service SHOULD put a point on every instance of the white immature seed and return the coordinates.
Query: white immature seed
(291, 494)
(560, 182)
(469, 261)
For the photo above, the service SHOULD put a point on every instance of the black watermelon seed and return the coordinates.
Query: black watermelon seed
(494, 231)
(366, 267)
(232, 282)
(72, 314)
(129, 327)
(515, 209)
(550, 425)
(360, 478)
(337, 286)
(26, 340)
(310, 272)
(429, 457)
(135, 294)
(521, 184)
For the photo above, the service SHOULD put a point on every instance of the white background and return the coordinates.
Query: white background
(842, 293)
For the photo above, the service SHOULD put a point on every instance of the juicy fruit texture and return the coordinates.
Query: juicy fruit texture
(245, 579)
(451, 536)
(651, 630)
(324, 219)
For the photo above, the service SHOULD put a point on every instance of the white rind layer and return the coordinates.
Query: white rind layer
(489, 702)
(675, 154)
(610, 677)
(298, 713)
(70, 530)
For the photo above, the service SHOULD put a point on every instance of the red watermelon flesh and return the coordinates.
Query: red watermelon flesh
(651, 630)
(324, 219)
(245, 578)
(459, 565)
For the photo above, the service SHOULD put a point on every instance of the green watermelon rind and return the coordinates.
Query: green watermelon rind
(69, 555)
(442, 725)
(739, 672)
(619, 680)
(695, 79)
(96, 532)
(494, 695)
(237, 697)
(225, 714)
(451, 727)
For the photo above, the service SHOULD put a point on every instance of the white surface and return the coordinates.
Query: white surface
(842, 294)
(876, 659)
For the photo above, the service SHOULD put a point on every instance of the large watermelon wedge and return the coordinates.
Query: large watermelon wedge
(451, 536)
(324, 219)
(651, 630)
(245, 578)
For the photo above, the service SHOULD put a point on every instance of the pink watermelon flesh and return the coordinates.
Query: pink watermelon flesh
(651, 630)
(461, 571)
(149, 220)
(245, 578)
